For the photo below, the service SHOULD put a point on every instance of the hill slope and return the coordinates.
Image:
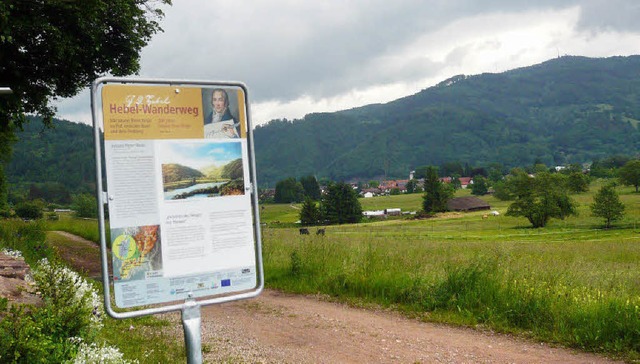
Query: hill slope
(566, 110)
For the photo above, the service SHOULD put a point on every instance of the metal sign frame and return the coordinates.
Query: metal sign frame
(191, 306)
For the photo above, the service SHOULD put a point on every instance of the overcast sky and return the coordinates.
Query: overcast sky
(298, 57)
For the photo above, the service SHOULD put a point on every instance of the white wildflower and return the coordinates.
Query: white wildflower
(12, 253)
(84, 294)
(94, 354)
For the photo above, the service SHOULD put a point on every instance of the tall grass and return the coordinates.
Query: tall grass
(571, 282)
(27, 237)
(86, 228)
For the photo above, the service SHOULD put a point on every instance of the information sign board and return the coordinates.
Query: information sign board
(180, 174)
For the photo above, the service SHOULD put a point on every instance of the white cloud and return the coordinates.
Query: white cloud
(303, 57)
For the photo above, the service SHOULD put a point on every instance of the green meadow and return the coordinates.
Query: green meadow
(571, 282)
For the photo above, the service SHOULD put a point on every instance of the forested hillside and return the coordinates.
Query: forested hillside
(53, 162)
(566, 110)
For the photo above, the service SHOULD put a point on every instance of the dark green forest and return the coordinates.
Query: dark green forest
(52, 163)
(565, 110)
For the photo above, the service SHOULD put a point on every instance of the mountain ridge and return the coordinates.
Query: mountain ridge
(565, 110)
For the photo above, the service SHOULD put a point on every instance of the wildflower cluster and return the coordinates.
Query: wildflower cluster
(66, 289)
(92, 353)
(11, 253)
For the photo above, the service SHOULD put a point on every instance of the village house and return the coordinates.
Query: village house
(464, 181)
(400, 184)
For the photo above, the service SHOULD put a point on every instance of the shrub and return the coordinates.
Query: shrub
(44, 334)
(85, 205)
(29, 210)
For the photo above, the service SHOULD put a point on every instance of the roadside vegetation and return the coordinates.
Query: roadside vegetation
(573, 282)
(70, 325)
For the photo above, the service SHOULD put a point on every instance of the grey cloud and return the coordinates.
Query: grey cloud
(615, 15)
(286, 49)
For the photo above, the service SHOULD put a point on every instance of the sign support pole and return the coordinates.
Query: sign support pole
(191, 320)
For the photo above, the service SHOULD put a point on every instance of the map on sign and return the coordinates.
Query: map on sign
(136, 253)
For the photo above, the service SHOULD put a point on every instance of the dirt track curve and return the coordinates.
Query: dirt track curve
(284, 328)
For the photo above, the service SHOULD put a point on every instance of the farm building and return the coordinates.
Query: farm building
(469, 203)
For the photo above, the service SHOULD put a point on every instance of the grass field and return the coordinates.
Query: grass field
(571, 282)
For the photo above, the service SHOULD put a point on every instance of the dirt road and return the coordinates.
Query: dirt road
(283, 328)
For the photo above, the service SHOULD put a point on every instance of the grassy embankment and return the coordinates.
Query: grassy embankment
(571, 282)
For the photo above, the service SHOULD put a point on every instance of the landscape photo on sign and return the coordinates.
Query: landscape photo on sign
(201, 169)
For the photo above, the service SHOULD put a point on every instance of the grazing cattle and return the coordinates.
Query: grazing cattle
(320, 232)
(304, 231)
(485, 216)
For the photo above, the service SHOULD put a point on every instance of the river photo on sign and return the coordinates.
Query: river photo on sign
(201, 169)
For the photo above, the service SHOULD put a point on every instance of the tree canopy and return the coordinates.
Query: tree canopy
(53, 49)
(309, 212)
(340, 204)
(289, 190)
(480, 186)
(436, 193)
(629, 174)
(607, 205)
(539, 198)
(311, 187)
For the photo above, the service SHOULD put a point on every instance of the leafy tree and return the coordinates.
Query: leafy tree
(374, 184)
(31, 210)
(478, 171)
(309, 213)
(480, 186)
(501, 191)
(495, 172)
(455, 182)
(412, 186)
(311, 187)
(607, 205)
(571, 169)
(578, 182)
(421, 172)
(394, 191)
(540, 198)
(629, 174)
(340, 204)
(51, 49)
(289, 190)
(451, 168)
(436, 193)
(84, 205)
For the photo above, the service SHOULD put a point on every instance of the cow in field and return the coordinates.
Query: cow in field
(320, 232)
(304, 231)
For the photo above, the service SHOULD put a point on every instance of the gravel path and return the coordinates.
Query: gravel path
(282, 328)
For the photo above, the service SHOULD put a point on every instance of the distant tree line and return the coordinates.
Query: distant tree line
(538, 193)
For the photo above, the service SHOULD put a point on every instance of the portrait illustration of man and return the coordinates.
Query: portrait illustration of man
(220, 123)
